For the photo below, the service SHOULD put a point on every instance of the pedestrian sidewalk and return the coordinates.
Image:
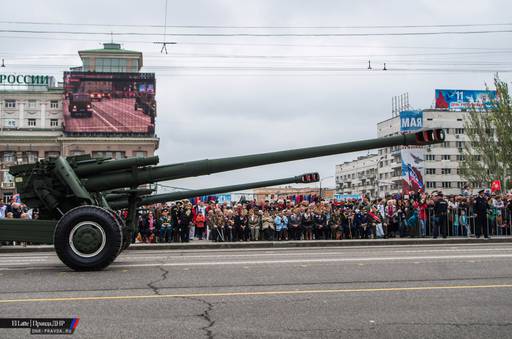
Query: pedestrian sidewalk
(204, 244)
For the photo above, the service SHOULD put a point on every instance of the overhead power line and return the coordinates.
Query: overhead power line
(238, 34)
(253, 26)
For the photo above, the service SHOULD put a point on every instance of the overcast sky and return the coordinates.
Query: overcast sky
(276, 99)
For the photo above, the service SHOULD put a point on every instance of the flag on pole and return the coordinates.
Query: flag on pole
(496, 186)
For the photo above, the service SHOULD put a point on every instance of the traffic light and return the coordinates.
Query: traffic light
(308, 178)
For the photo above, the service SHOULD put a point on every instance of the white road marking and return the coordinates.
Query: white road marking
(131, 257)
(323, 260)
(105, 120)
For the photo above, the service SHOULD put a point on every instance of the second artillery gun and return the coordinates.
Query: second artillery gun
(77, 218)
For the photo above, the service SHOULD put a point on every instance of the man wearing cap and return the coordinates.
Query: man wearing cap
(480, 208)
(441, 214)
(165, 226)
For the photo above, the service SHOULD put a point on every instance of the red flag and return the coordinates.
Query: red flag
(496, 186)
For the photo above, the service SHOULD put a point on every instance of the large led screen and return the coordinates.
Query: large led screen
(117, 103)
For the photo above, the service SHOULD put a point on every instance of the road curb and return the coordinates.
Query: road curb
(197, 245)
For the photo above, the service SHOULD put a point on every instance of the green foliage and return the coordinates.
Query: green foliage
(488, 151)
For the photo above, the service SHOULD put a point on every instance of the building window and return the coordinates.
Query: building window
(54, 104)
(430, 157)
(460, 144)
(10, 123)
(446, 170)
(461, 184)
(31, 122)
(430, 171)
(51, 154)
(431, 184)
(9, 103)
(54, 122)
(30, 157)
(459, 131)
(109, 154)
(447, 184)
(76, 152)
(140, 154)
(446, 144)
(9, 157)
(31, 104)
(460, 157)
(446, 157)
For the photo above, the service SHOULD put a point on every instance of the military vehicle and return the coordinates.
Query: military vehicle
(70, 194)
(80, 104)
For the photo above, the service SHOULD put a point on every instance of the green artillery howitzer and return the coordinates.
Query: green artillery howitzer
(76, 196)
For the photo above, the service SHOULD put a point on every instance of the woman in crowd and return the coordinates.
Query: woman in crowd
(307, 224)
(267, 225)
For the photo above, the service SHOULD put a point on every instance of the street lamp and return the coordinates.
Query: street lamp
(320, 190)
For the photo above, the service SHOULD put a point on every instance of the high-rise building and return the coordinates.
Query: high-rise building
(440, 164)
(358, 176)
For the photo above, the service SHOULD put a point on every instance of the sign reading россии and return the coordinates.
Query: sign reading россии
(24, 79)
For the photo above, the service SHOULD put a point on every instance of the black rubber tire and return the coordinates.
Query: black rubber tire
(103, 218)
(127, 234)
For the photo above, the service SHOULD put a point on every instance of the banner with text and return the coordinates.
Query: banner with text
(462, 100)
(411, 121)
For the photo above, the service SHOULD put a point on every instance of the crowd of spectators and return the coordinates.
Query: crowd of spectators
(416, 215)
(16, 210)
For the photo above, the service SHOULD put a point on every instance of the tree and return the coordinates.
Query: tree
(487, 154)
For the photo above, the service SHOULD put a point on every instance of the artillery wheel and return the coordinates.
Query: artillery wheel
(127, 234)
(88, 238)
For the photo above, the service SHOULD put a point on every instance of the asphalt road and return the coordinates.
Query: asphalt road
(422, 291)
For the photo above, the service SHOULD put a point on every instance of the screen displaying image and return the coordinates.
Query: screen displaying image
(118, 103)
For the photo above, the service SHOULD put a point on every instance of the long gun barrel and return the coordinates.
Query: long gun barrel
(160, 198)
(209, 166)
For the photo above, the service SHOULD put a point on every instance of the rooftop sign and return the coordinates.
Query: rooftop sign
(25, 79)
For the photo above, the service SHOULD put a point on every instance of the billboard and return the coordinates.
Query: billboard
(111, 103)
(462, 100)
(344, 197)
(413, 160)
(411, 121)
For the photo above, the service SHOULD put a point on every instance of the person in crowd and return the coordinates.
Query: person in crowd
(164, 222)
(279, 225)
(320, 222)
(254, 223)
(200, 223)
(229, 232)
(421, 208)
(335, 224)
(391, 218)
(307, 224)
(241, 229)
(267, 225)
(441, 214)
(185, 220)
(220, 224)
(294, 225)
(3, 207)
(464, 223)
(481, 206)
